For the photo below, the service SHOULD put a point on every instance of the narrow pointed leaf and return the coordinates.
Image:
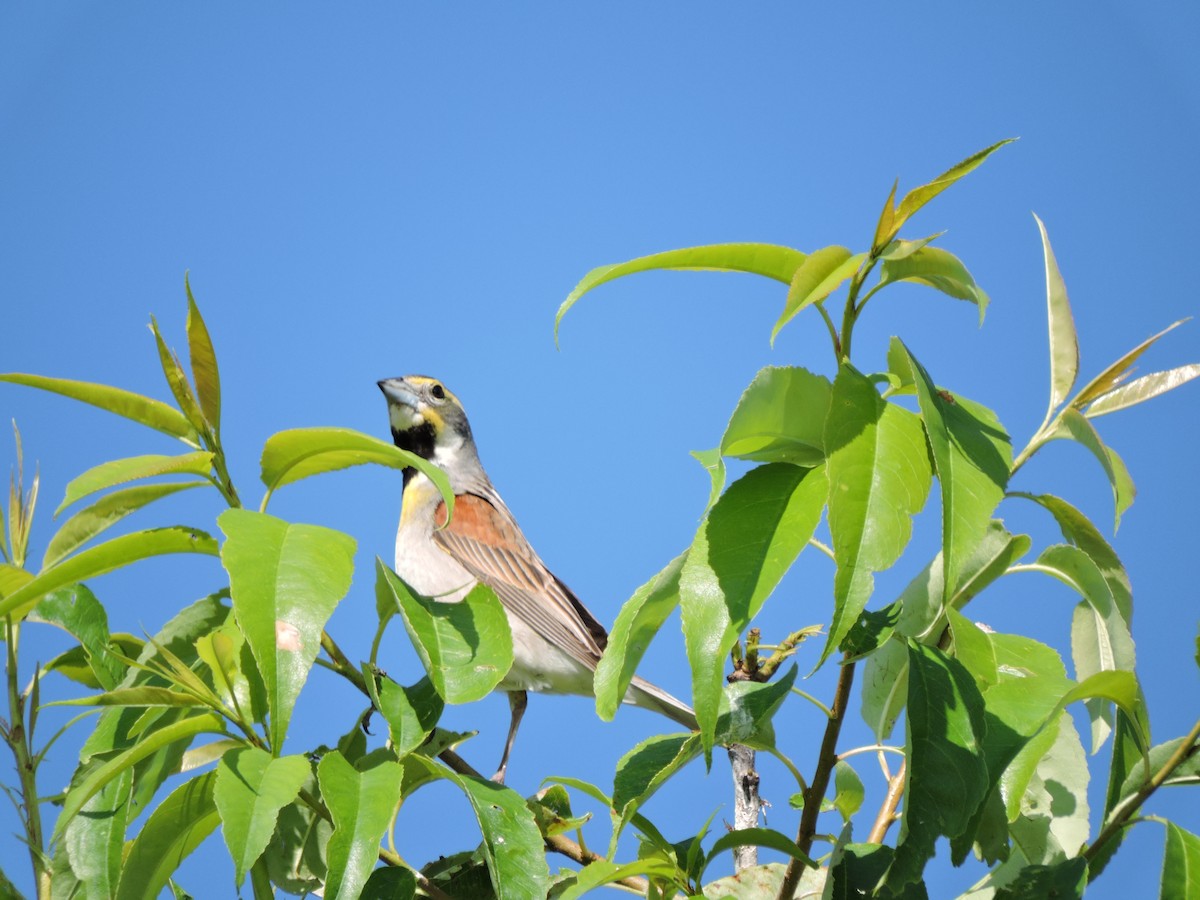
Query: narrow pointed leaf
(104, 513)
(120, 471)
(602, 872)
(743, 548)
(104, 558)
(645, 768)
(1075, 426)
(1119, 370)
(285, 581)
(822, 273)
(512, 845)
(938, 269)
(756, 837)
(919, 196)
(879, 477)
(1064, 345)
(780, 418)
(1141, 389)
(885, 228)
(141, 696)
(637, 623)
(180, 823)
(204, 363)
(899, 249)
(1181, 864)
(250, 790)
(972, 456)
(298, 453)
(177, 381)
(769, 260)
(151, 413)
(96, 837)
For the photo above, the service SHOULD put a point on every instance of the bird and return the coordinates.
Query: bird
(557, 642)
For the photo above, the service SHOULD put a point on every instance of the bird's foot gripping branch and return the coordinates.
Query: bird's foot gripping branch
(198, 726)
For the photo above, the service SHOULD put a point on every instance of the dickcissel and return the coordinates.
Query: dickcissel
(556, 640)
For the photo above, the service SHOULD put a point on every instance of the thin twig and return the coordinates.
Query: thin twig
(887, 811)
(820, 781)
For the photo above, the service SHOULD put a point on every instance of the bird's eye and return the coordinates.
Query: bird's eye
(438, 392)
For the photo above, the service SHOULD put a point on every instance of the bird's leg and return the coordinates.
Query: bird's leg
(517, 701)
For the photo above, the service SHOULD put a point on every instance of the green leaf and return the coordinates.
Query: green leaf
(177, 381)
(1142, 389)
(285, 582)
(1064, 346)
(1181, 864)
(120, 471)
(390, 883)
(299, 453)
(103, 558)
(1053, 820)
(780, 418)
(141, 696)
(77, 611)
(747, 708)
(602, 871)
(512, 844)
(972, 456)
(848, 790)
(858, 870)
(204, 363)
(768, 260)
(105, 512)
(1074, 425)
(885, 687)
(295, 857)
(822, 273)
(551, 807)
(879, 477)
(1188, 772)
(919, 196)
(742, 549)
(1116, 373)
(111, 768)
(637, 623)
(756, 837)
(180, 823)
(411, 712)
(151, 413)
(936, 268)
(362, 803)
(947, 777)
(1064, 880)
(885, 228)
(899, 249)
(644, 769)
(95, 838)
(465, 647)
(251, 788)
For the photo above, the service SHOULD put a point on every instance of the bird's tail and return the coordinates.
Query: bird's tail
(648, 696)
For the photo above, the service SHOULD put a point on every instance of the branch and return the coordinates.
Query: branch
(1185, 750)
(746, 802)
(887, 812)
(820, 781)
(560, 843)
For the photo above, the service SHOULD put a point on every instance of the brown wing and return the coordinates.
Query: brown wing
(485, 540)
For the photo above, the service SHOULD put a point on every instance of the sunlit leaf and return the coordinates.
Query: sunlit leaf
(769, 260)
(938, 269)
(76, 610)
(780, 418)
(120, 471)
(755, 837)
(885, 228)
(1181, 864)
(822, 273)
(152, 413)
(879, 477)
(919, 196)
(1141, 389)
(204, 362)
(1064, 346)
(1073, 425)
(178, 382)
(645, 768)
(285, 580)
(95, 838)
(362, 802)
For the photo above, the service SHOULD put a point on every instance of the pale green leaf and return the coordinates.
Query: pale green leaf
(848, 790)
(742, 549)
(885, 228)
(177, 381)
(204, 363)
(1116, 373)
(250, 790)
(938, 269)
(919, 196)
(119, 471)
(1064, 345)
(105, 512)
(180, 823)
(756, 837)
(602, 871)
(142, 695)
(885, 688)
(151, 413)
(1181, 864)
(822, 273)
(780, 418)
(285, 581)
(1142, 389)
(899, 249)
(768, 260)
(879, 477)
(95, 838)
(102, 558)
(1075, 426)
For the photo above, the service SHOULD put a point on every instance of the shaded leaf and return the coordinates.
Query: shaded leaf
(204, 363)
(177, 381)
(1188, 772)
(285, 581)
(755, 837)
(141, 696)
(768, 260)
(645, 768)
(822, 273)
(180, 823)
(410, 712)
(885, 688)
(858, 871)
(747, 708)
(936, 268)
(105, 557)
(879, 477)
(1062, 880)
(742, 549)
(390, 883)
(465, 647)
(780, 418)
(1074, 425)
(77, 611)
(152, 413)
(362, 802)
(602, 871)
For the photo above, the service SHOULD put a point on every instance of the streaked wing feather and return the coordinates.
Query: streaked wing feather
(484, 538)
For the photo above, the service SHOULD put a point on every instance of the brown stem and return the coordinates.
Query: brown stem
(1185, 750)
(887, 812)
(820, 781)
(560, 843)
(20, 743)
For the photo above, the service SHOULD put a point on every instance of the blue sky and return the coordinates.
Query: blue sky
(384, 189)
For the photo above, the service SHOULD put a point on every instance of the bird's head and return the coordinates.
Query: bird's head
(426, 418)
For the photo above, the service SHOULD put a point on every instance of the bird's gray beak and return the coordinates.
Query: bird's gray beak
(398, 391)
